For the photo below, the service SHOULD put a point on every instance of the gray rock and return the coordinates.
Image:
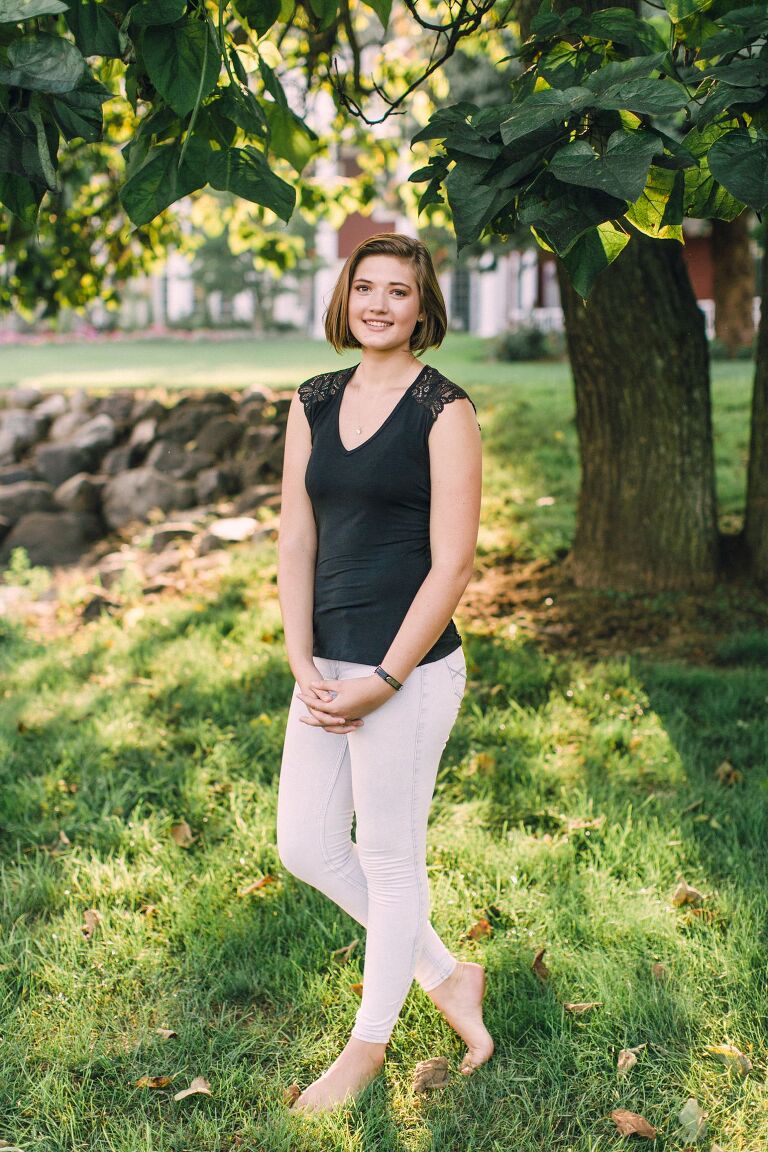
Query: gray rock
(230, 530)
(147, 410)
(49, 538)
(215, 483)
(19, 429)
(23, 397)
(220, 435)
(16, 500)
(52, 406)
(143, 433)
(172, 530)
(81, 493)
(184, 463)
(65, 425)
(57, 462)
(117, 405)
(184, 422)
(96, 435)
(13, 473)
(258, 496)
(5, 526)
(132, 495)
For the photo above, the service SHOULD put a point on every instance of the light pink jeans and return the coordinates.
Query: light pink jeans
(384, 772)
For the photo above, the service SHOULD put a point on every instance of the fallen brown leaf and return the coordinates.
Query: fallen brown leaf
(627, 1059)
(153, 1082)
(91, 920)
(631, 1124)
(538, 966)
(731, 1057)
(291, 1094)
(357, 988)
(686, 894)
(584, 1006)
(148, 910)
(182, 834)
(256, 884)
(659, 972)
(580, 824)
(481, 928)
(166, 1033)
(198, 1087)
(693, 1120)
(727, 774)
(431, 1073)
(342, 955)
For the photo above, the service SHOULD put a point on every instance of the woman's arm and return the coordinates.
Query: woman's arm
(297, 545)
(455, 464)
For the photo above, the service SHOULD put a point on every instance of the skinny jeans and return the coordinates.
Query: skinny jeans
(384, 773)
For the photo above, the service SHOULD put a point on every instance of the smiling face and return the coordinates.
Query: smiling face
(384, 303)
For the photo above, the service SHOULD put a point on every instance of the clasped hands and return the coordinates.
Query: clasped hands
(339, 705)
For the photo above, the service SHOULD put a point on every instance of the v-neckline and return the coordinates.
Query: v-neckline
(382, 426)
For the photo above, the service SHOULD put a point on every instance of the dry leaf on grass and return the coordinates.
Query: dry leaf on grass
(182, 834)
(7, 1146)
(686, 894)
(659, 972)
(431, 1073)
(153, 1082)
(693, 1121)
(91, 920)
(342, 955)
(198, 1087)
(538, 966)
(481, 928)
(255, 885)
(584, 1006)
(631, 1124)
(627, 1059)
(580, 824)
(727, 774)
(291, 1094)
(166, 1033)
(733, 1058)
(357, 988)
(148, 910)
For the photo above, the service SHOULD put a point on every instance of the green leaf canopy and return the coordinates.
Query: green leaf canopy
(181, 60)
(621, 170)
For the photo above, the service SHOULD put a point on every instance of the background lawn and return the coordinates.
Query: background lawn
(573, 794)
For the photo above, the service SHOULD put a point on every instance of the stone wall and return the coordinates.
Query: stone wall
(78, 468)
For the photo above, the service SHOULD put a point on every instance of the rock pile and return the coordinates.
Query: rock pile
(75, 468)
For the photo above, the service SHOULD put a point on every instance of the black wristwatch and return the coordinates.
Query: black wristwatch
(389, 679)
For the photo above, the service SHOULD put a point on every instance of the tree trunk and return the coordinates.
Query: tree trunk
(756, 518)
(734, 282)
(646, 512)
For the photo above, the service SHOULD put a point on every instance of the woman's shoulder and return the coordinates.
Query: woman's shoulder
(433, 391)
(320, 387)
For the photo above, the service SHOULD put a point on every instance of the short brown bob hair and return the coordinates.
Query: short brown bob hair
(428, 333)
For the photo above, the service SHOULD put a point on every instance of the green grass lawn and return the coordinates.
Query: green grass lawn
(572, 796)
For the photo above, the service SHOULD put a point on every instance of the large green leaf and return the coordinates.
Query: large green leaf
(148, 13)
(12, 11)
(19, 148)
(739, 161)
(561, 213)
(182, 60)
(259, 14)
(325, 11)
(620, 171)
(544, 109)
(44, 63)
(443, 120)
(645, 96)
(592, 253)
(94, 29)
(289, 136)
(722, 97)
(245, 172)
(658, 212)
(465, 138)
(243, 109)
(382, 8)
(473, 204)
(683, 9)
(622, 26)
(159, 182)
(743, 73)
(79, 112)
(20, 197)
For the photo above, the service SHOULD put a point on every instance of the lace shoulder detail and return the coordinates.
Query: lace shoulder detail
(319, 388)
(434, 391)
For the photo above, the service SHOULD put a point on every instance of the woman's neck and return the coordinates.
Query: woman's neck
(381, 369)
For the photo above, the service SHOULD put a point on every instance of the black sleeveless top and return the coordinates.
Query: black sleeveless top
(371, 508)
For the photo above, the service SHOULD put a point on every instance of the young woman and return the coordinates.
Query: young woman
(380, 511)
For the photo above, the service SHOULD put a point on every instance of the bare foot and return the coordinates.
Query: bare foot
(358, 1064)
(460, 999)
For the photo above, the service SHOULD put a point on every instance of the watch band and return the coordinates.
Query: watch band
(389, 679)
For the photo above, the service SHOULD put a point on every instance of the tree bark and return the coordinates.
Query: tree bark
(646, 512)
(756, 516)
(734, 282)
